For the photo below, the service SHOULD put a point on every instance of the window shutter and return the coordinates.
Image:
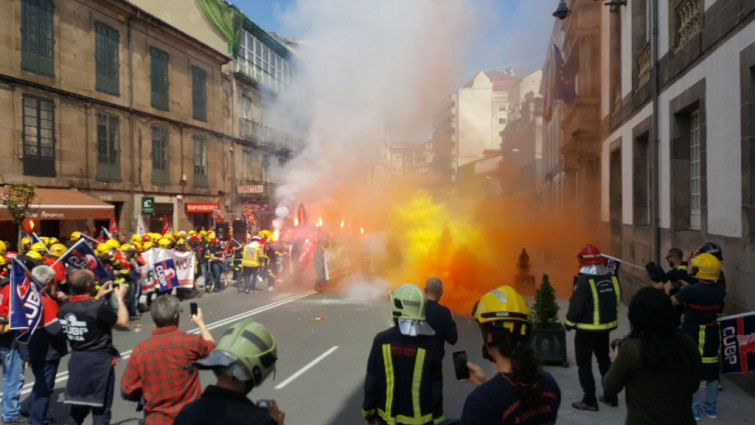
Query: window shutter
(199, 93)
(106, 59)
(159, 78)
(37, 41)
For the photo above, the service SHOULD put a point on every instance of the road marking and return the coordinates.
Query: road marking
(63, 376)
(305, 368)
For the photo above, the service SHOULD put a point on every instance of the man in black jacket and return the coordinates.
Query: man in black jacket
(439, 316)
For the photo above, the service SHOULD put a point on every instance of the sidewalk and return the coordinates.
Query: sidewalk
(735, 406)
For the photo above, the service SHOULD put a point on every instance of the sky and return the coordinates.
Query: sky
(509, 32)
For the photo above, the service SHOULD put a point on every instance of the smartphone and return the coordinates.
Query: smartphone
(193, 308)
(460, 365)
(262, 404)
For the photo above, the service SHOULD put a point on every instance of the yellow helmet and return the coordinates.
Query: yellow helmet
(266, 234)
(202, 233)
(25, 243)
(136, 237)
(137, 246)
(113, 244)
(163, 243)
(45, 240)
(39, 247)
(181, 234)
(2, 261)
(181, 241)
(3, 247)
(147, 246)
(102, 249)
(504, 307)
(34, 255)
(705, 267)
(156, 236)
(127, 247)
(53, 241)
(57, 249)
(75, 235)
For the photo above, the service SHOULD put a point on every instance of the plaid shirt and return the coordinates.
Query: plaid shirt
(158, 371)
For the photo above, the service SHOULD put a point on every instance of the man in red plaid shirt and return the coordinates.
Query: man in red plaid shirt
(158, 373)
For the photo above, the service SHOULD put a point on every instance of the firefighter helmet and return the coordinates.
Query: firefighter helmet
(45, 240)
(408, 305)
(247, 352)
(705, 267)
(137, 246)
(25, 243)
(194, 237)
(2, 262)
(10, 255)
(75, 235)
(127, 247)
(589, 254)
(113, 244)
(146, 246)
(102, 249)
(57, 249)
(136, 237)
(163, 243)
(503, 307)
(181, 234)
(146, 238)
(34, 255)
(53, 241)
(3, 247)
(39, 247)
(712, 248)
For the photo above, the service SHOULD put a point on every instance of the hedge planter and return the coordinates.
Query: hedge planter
(550, 345)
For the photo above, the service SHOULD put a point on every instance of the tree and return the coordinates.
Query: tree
(545, 309)
(17, 198)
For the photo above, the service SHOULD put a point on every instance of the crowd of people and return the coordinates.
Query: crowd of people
(673, 345)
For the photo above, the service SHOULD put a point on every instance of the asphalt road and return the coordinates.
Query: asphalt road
(323, 341)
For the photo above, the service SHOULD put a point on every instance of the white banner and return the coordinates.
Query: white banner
(184, 268)
(147, 276)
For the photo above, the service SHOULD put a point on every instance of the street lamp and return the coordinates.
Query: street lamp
(562, 11)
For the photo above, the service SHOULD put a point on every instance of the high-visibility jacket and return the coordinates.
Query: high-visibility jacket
(403, 385)
(252, 255)
(594, 304)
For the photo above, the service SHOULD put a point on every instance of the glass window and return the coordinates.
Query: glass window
(160, 155)
(39, 136)
(199, 93)
(695, 190)
(200, 161)
(106, 59)
(108, 147)
(37, 39)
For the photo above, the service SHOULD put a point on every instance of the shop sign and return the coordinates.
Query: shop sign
(201, 207)
(148, 205)
(251, 188)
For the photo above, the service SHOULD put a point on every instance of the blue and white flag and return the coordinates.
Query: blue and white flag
(165, 274)
(25, 308)
(81, 256)
(738, 343)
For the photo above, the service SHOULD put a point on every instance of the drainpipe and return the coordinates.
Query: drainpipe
(131, 123)
(655, 89)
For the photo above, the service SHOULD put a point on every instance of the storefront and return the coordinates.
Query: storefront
(51, 207)
(200, 214)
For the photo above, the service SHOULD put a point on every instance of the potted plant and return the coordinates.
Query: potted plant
(548, 335)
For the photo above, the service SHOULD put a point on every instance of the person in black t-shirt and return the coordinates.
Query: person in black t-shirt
(521, 392)
(87, 323)
(439, 316)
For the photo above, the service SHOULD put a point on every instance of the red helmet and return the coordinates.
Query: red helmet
(589, 254)
(194, 237)
(146, 238)
(216, 241)
(10, 255)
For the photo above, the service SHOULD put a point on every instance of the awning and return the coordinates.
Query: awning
(63, 204)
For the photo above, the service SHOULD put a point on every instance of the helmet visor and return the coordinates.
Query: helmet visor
(414, 327)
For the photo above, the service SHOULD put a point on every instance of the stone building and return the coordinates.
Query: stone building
(677, 131)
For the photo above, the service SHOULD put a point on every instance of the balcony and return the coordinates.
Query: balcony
(643, 66)
(249, 129)
(689, 20)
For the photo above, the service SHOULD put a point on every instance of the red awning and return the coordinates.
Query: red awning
(63, 204)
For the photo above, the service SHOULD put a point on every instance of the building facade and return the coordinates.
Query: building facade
(677, 131)
(104, 98)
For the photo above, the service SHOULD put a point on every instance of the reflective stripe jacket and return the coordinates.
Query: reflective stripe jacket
(594, 304)
(403, 384)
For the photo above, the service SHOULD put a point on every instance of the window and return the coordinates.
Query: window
(159, 78)
(501, 120)
(108, 148)
(199, 93)
(247, 165)
(246, 107)
(106, 59)
(39, 137)
(641, 180)
(200, 161)
(695, 162)
(37, 40)
(160, 155)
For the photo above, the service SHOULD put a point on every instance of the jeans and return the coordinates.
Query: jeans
(250, 278)
(585, 344)
(216, 270)
(13, 381)
(710, 390)
(204, 272)
(44, 383)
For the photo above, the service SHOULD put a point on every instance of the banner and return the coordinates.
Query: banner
(165, 275)
(166, 227)
(160, 272)
(738, 343)
(25, 302)
(140, 227)
(184, 262)
(81, 256)
(613, 266)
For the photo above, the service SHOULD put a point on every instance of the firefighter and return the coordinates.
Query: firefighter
(403, 384)
(593, 312)
(520, 392)
(702, 303)
(251, 262)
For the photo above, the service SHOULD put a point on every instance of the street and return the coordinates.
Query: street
(323, 341)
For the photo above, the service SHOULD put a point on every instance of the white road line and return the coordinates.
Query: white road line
(305, 368)
(63, 376)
